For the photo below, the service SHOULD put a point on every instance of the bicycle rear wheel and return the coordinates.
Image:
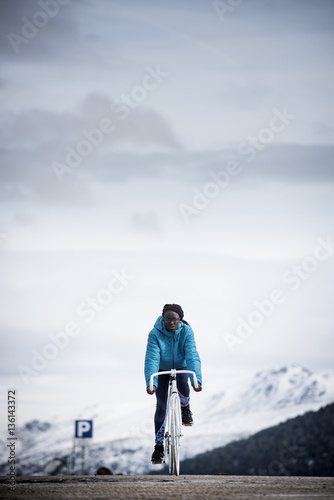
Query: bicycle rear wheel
(175, 434)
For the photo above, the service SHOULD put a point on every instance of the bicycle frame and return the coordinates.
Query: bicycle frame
(173, 418)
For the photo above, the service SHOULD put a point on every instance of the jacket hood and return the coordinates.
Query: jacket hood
(160, 325)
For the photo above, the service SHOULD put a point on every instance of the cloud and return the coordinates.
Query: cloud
(278, 19)
(146, 223)
(27, 174)
(38, 32)
(32, 128)
(34, 139)
(291, 163)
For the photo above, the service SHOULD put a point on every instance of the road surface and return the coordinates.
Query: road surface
(160, 487)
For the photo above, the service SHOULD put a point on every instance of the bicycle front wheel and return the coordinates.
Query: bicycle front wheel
(175, 434)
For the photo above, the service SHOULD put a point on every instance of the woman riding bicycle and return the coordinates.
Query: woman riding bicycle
(171, 344)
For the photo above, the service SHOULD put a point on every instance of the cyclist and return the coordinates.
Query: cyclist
(171, 344)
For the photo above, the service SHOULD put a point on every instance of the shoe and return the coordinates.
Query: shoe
(158, 454)
(187, 416)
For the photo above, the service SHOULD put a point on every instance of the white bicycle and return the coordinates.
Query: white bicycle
(173, 419)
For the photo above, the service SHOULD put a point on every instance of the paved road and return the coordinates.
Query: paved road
(160, 487)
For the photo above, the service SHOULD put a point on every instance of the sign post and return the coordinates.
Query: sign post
(82, 437)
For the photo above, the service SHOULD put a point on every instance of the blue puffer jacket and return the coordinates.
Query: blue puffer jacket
(166, 350)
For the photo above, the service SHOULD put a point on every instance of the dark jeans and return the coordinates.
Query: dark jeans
(162, 392)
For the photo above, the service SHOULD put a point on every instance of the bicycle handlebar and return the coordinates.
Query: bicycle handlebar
(171, 372)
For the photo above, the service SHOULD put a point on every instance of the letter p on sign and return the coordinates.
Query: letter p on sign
(83, 429)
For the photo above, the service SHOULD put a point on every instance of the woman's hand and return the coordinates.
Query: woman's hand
(148, 390)
(199, 388)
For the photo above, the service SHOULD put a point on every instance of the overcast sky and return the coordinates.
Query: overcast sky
(186, 145)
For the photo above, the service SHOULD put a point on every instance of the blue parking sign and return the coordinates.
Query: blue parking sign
(83, 429)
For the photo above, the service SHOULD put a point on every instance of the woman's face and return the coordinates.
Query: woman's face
(171, 320)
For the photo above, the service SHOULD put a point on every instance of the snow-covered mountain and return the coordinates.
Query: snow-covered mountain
(223, 412)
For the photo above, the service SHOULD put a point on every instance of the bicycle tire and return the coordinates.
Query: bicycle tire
(178, 435)
(175, 437)
(169, 447)
(172, 455)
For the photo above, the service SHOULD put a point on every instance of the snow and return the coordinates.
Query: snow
(224, 412)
